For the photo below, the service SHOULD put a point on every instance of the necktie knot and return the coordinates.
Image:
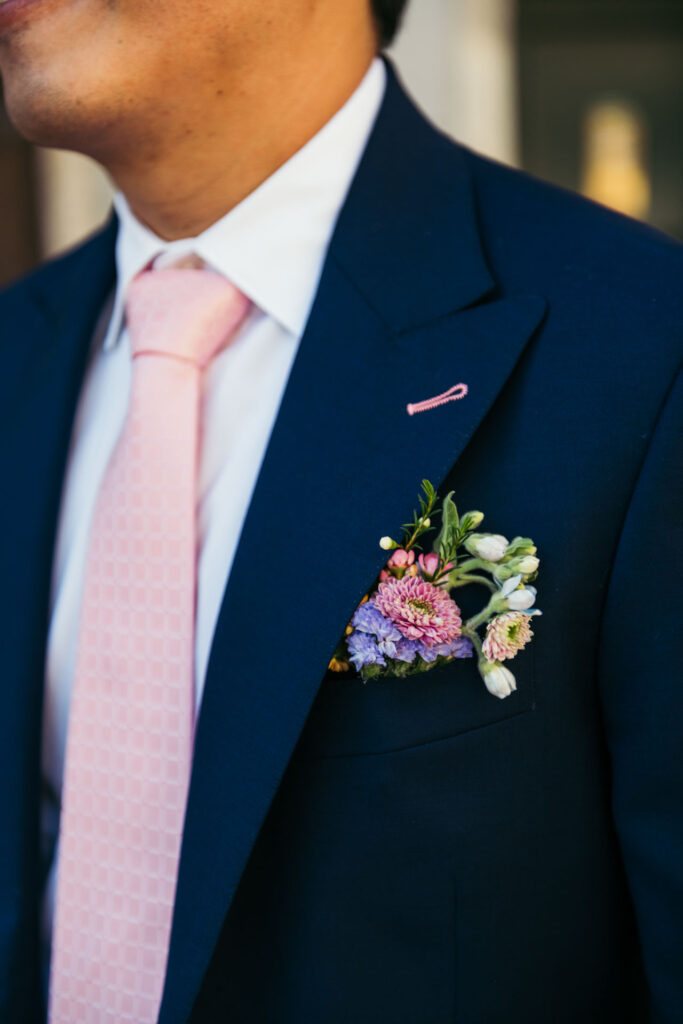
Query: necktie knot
(186, 314)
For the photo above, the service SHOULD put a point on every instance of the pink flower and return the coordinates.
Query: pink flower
(505, 635)
(401, 559)
(419, 610)
(429, 564)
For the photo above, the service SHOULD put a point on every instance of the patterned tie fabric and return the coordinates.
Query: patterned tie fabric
(130, 735)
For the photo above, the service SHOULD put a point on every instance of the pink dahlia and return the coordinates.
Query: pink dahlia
(419, 610)
(506, 635)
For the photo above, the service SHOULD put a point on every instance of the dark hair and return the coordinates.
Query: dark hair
(388, 14)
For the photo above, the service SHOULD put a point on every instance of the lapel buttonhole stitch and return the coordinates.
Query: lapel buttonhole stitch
(452, 395)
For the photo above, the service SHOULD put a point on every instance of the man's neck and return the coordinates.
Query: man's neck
(227, 144)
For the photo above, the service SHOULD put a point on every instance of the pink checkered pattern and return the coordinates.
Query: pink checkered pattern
(129, 744)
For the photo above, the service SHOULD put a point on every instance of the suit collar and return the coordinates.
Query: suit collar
(408, 236)
(72, 289)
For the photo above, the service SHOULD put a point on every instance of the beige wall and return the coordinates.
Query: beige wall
(458, 59)
(74, 197)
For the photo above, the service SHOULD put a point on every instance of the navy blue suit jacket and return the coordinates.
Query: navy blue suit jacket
(412, 851)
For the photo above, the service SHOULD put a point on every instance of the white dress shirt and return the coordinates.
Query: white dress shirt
(272, 246)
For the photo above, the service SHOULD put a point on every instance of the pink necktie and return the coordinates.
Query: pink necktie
(129, 743)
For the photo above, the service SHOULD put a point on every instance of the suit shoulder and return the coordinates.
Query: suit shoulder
(58, 270)
(544, 236)
(524, 196)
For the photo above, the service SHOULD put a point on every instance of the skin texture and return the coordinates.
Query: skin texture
(188, 104)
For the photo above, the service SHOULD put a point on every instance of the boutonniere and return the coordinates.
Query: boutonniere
(409, 622)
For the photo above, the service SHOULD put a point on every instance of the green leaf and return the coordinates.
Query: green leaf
(430, 493)
(417, 527)
(450, 527)
(370, 672)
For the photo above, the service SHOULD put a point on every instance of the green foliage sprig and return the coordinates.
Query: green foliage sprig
(421, 522)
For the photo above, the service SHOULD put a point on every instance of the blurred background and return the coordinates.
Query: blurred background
(584, 93)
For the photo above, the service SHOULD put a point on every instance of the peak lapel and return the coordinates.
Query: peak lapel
(46, 323)
(343, 467)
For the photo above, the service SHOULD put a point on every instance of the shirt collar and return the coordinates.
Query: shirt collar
(271, 245)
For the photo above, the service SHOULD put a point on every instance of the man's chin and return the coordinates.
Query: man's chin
(50, 116)
(37, 116)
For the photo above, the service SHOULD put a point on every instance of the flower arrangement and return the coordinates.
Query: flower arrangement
(410, 623)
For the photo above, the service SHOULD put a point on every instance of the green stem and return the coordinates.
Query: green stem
(460, 581)
(419, 526)
(472, 635)
(478, 620)
(472, 563)
(417, 532)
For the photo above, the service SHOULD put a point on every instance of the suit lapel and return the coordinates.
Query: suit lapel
(398, 318)
(46, 325)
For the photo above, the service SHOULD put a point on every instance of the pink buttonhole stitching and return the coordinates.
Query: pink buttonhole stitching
(452, 395)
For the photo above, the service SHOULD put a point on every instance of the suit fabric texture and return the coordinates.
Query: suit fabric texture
(408, 851)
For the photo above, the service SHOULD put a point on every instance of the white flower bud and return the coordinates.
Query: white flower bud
(528, 564)
(491, 547)
(386, 543)
(498, 679)
(520, 600)
(427, 522)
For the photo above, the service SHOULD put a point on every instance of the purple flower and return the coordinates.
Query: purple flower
(369, 619)
(363, 650)
(461, 647)
(375, 638)
(407, 650)
(387, 647)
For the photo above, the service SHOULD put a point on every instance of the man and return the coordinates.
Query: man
(409, 851)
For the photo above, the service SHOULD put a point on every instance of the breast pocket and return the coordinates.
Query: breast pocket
(351, 718)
